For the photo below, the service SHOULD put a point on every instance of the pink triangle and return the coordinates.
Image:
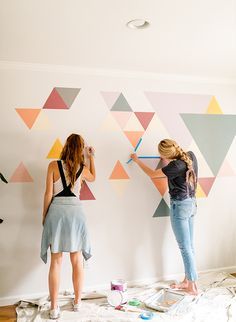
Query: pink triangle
(21, 174)
(226, 170)
(121, 117)
(144, 118)
(85, 192)
(110, 98)
(206, 184)
(55, 101)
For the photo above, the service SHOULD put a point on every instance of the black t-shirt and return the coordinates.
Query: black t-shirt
(176, 174)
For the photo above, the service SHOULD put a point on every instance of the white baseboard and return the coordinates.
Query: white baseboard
(10, 300)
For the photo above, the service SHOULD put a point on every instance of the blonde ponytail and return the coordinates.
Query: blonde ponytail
(171, 150)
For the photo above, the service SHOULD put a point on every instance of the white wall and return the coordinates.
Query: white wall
(126, 241)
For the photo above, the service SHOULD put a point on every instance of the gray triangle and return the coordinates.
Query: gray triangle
(213, 134)
(68, 94)
(162, 210)
(121, 104)
(160, 164)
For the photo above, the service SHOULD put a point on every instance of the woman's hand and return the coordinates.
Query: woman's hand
(90, 151)
(134, 157)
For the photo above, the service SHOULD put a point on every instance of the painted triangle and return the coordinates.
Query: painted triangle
(121, 117)
(162, 210)
(199, 192)
(28, 115)
(68, 94)
(144, 118)
(214, 107)
(42, 123)
(55, 151)
(85, 192)
(21, 174)
(226, 170)
(121, 104)
(119, 186)
(206, 184)
(110, 124)
(169, 106)
(161, 184)
(55, 101)
(110, 98)
(133, 124)
(213, 135)
(118, 172)
(134, 136)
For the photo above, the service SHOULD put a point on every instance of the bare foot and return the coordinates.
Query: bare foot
(192, 289)
(181, 286)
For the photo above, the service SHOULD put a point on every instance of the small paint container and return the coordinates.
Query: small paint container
(116, 298)
(119, 285)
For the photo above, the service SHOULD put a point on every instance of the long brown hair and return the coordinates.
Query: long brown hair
(171, 150)
(73, 156)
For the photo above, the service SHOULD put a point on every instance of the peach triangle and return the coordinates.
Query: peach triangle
(160, 184)
(226, 170)
(21, 174)
(214, 107)
(206, 184)
(28, 115)
(85, 192)
(118, 172)
(144, 118)
(134, 136)
(55, 151)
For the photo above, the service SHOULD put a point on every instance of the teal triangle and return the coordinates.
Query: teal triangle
(162, 210)
(68, 94)
(213, 134)
(121, 104)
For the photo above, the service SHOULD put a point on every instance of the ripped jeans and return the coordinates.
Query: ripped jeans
(182, 214)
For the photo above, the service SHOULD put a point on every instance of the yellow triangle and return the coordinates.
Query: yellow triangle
(214, 107)
(55, 151)
(200, 193)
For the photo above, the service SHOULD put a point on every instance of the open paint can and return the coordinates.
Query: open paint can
(119, 285)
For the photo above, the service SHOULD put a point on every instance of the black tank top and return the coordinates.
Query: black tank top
(66, 192)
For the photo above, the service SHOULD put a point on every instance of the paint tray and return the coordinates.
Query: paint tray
(164, 300)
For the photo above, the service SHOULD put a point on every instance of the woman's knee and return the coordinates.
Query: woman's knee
(76, 258)
(56, 258)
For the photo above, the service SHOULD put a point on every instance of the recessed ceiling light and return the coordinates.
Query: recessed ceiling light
(138, 24)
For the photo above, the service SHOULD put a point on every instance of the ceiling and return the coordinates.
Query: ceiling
(185, 37)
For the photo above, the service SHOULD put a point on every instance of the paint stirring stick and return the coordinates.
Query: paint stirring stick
(135, 149)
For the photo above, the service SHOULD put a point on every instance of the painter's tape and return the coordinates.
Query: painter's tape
(146, 315)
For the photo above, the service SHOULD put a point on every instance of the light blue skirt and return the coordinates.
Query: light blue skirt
(65, 228)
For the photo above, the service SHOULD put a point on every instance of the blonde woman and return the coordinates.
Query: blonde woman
(181, 172)
(64, 226)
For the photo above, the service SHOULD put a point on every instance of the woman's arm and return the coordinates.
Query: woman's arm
(49, 191)
(151, 173)
(89, 174)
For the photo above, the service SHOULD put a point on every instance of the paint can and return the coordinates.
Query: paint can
(119, 285)
(118, 293)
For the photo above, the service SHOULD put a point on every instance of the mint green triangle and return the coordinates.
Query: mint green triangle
(121, 104)
(162, 210)
(68, 94)
(213, 134)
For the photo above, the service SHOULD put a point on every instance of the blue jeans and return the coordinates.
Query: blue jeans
(182, 214)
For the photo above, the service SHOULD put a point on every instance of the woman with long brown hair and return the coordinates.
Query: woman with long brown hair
(64, 225)
(181, 172)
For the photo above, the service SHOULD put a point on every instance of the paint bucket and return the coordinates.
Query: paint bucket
(118, 293)
(119, 285)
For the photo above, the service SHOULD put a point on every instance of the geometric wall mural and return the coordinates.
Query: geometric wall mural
(55, 150)
(28, 115)
(85, 192)
(187, 118)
